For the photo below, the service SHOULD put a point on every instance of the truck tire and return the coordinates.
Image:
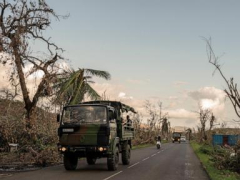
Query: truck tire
(91, 160)
(113, 160)
(70, 161)
(126, 155)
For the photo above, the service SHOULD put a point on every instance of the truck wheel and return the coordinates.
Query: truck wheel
(91, 160)
(70, 161)
(112, 160)
(126, 155)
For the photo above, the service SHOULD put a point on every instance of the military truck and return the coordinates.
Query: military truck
(95, 129)
(176, 137)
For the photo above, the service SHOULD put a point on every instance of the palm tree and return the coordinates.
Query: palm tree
(73, 85)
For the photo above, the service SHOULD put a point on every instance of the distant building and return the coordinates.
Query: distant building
(220, 139)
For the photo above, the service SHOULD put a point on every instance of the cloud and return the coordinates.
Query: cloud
(183, 117)
(172, 97)
(123, 95)
(109, 90)
(181, 114)
(32, 80)
(117, 92)
(208, 93)
(137, 81)
(210, 98)
(4, 75)
(172, 105)
(179, 83)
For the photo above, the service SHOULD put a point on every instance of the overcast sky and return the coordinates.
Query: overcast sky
(154, 50)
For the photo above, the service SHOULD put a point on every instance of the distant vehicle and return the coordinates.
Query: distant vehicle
(176, 137)
(183, 139)
(95, 130)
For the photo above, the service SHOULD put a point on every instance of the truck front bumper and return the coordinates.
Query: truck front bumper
(100, 150)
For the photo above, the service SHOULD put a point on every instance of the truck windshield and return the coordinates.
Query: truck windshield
(176, 134)
(85, 115)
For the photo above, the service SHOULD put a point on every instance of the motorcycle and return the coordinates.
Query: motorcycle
(158, 144)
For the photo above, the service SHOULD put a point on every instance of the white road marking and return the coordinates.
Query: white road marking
(112, 175)
(145, 159)
(188, 173)
(133, 165)
(153, 155)
(159, 152)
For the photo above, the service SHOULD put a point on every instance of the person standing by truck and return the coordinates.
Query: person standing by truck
(129, 121)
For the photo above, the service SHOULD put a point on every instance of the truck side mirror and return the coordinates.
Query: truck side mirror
(58, 117)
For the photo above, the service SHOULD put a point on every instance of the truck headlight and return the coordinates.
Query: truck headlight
(63, 149)
(67, 130)
(100, 148)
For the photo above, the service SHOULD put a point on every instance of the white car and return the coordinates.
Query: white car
(183, 139)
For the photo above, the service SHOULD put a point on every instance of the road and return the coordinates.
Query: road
(172, 162)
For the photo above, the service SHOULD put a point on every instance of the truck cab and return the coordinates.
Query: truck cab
(176, 137)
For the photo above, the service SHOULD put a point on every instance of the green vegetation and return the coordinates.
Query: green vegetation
(142, 146)
(204, 154)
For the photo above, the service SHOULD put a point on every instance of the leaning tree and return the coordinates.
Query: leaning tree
(22, 24)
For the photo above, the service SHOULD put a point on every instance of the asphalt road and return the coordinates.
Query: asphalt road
(172, 162)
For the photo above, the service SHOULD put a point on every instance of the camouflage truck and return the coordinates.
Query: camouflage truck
(95, 130)
(176, 137)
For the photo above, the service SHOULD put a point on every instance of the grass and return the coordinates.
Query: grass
(213, 172)
(142, 146)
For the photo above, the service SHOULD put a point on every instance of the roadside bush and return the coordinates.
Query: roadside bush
(206, 149)
(37, 145)
(226, 158)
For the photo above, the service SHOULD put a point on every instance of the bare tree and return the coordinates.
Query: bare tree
(21, 23)
(212, 121)
(204, 116)
(161, 118)
(157, 120)
(231, 90)
(153, 116)
(165, 127)
(189, 133)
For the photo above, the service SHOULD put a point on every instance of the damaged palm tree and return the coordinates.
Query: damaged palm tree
(23, 22)
(73, 85)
